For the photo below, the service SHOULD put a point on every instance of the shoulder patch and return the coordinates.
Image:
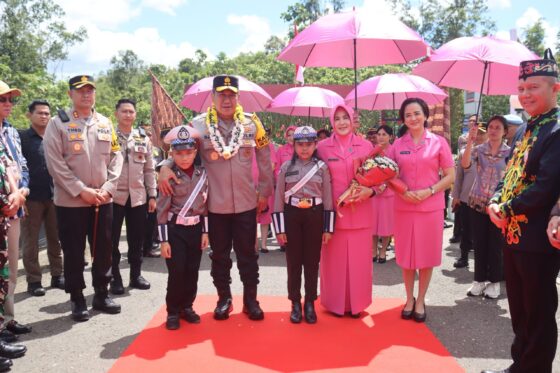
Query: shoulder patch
(261, 138)
(115, 146)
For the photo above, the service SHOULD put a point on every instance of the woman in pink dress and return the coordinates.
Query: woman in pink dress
(383, 206)
(346, 265)
(286, 151)
(420, 155)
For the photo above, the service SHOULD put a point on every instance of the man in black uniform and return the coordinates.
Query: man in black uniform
(521, 208)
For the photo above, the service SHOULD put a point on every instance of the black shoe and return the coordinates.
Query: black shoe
(461, 263)
(407, 315)
(419, 317)
(139, 283)
(79, 309)
(102, 302)
(447, 225)
(381, 260)
(57, 282)
(309, 311)
(8, 336)
(356, 315)
(295, 315)
(264, 250)
(12, 351)
(253, 310)
(375, 259)
(5, 364)
(116, 287)
(455, 239)
(36, 289)
(172, 322)
(190, 316)
(223, 308)
(283, 248)
(18, 328)
(152, 252)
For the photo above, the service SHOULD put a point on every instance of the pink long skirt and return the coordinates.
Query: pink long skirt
(383, 216)
(418, 238)
(347, 271)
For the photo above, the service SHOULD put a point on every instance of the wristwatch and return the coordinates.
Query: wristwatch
(432, 190)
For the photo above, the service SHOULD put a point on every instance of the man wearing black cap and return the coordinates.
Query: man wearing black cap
(230, 138)
(84, 159)
(521, 208)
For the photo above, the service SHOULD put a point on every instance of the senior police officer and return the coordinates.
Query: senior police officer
(135, 195)
(83, 157)
(229, 137)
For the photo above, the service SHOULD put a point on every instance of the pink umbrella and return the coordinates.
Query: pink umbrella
(478, 64)
(387, 92)
(251, 96)
(355, 39)
(305, 101)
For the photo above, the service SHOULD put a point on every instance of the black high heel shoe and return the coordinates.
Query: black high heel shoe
(419, 317)
(407, 315)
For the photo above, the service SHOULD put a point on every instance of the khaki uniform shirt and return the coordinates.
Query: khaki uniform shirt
(230, 182)
(137, 176)
(319, 186)
(167, 205)
(80, 153)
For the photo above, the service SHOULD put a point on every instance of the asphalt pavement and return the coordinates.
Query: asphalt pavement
(476, 331)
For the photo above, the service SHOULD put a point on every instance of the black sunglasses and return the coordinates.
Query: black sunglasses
(6, 99)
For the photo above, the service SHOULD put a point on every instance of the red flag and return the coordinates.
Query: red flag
(299, 69)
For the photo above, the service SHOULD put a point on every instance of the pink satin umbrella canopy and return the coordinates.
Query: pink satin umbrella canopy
(376, 40)
(251, 96)
(387, 92)
(306, 101)
(470, 63)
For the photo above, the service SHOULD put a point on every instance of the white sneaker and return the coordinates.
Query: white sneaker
(492, 290)
(476, 289)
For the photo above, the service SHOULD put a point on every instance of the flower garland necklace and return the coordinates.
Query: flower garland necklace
(218, 142)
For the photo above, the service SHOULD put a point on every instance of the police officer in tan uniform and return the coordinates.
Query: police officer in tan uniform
(135, 195)
(229, 139)
(84, 160)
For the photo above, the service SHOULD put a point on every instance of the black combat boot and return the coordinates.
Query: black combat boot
(116, 286)
(136, 280)
(309, 309)
(102, 302)
(295, 316)
(79, 306)
(250, 304)
(224, 306)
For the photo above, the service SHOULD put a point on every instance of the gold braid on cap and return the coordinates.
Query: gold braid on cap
(218, 142)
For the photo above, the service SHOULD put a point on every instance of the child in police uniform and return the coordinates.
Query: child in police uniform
(183, 226)
(304, 217)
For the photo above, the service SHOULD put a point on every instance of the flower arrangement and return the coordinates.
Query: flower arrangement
(218, 142)
(374, 171)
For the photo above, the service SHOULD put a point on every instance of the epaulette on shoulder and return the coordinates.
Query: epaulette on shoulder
(63, 116)
(141, 132)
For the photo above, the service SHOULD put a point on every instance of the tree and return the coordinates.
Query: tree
(305, 12)
(32, 35)
(534, 37)
(274, 45)
(125, 69)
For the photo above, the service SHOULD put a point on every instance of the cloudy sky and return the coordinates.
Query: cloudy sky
(166, 31)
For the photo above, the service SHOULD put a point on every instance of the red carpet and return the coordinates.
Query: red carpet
(378, 342)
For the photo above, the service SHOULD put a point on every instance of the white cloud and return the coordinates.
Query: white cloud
(164, 6)
(256, 29)
(379, 7)
(499, 4)
(502, 34)
(103, 13)
(530, 17)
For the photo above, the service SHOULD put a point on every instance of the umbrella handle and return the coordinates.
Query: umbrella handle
(481, 90)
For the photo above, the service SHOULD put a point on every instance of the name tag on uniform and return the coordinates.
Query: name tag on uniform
(405, 152)
(140, 148)
(103, 133)
(332, 159)
(291, 173)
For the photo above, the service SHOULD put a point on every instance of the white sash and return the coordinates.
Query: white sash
(190, 201)
(293, 190)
